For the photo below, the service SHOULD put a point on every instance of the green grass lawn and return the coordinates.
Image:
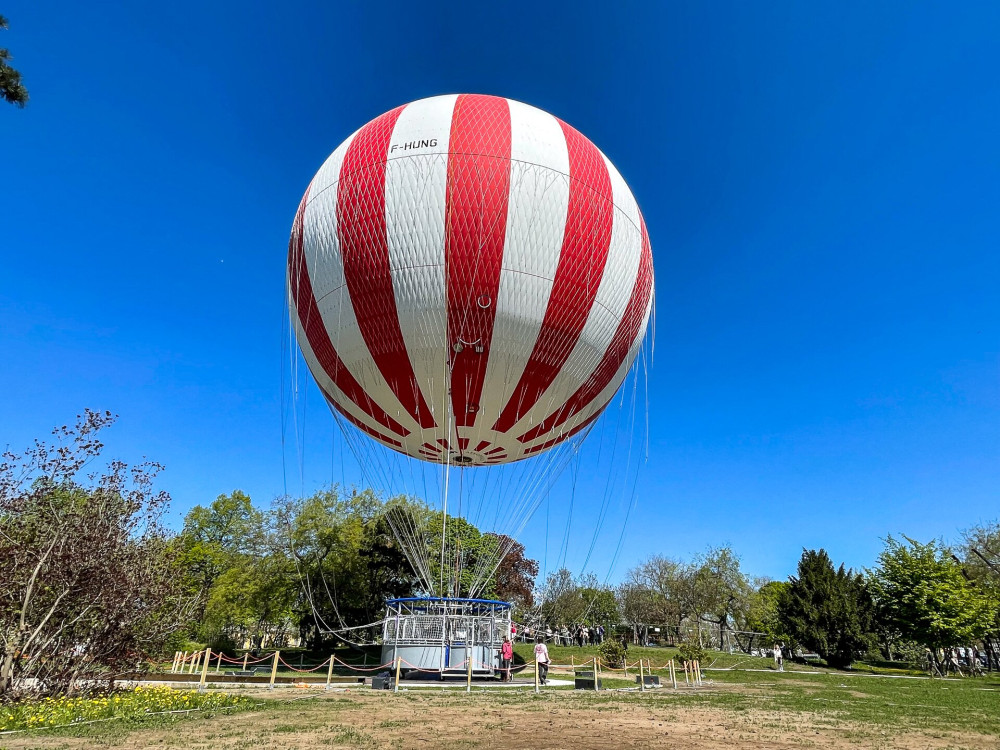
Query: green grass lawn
(859, 705)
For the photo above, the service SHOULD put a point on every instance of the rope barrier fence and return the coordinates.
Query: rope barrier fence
(198, 662)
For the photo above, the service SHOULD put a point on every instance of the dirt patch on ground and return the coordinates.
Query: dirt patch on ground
(575, 721)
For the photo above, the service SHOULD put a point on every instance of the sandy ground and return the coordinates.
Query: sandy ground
(366, 719)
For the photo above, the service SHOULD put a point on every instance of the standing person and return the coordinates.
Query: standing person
(600, 634)
(506, 657)
(542, 659)
(779, 659)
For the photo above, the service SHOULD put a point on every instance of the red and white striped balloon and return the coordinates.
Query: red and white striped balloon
(470, 279)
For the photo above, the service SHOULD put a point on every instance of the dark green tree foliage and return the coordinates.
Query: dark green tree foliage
(828, 610)
(11, 88)
(923, 593)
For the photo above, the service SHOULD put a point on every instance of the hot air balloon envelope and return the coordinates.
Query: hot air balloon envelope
(470, 280)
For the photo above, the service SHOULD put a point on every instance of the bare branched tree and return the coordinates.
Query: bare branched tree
(88, 587)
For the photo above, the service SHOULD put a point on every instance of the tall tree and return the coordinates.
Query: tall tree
(514, 580)
(88, 584)
(11, 88)
(980, 552)
(763, 615)
(577, 601)
(218, 538)
(828, 610)
(344, 557)
(922, 592)
(723, 590)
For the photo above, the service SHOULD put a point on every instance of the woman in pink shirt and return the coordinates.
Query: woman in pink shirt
(506, 656)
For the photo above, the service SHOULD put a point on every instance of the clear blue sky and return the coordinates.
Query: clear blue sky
(821, 183)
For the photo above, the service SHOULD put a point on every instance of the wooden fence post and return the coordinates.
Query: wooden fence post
(597, 673)
(274, 670)
(329, 672)
(642, 679)
(204, 670)
(245, 657)
(218, 663)
(673, 674)
(399, 664)
(536, 674)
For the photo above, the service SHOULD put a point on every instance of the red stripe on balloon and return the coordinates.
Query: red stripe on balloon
(549, 443)
(317, 335)
(476, 225)
(364, 247)
(361, 425)
(584, 254)
(621, 342)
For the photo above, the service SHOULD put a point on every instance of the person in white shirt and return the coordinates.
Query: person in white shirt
(542, 658)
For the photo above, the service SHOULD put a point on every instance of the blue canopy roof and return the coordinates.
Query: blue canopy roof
(430, 599)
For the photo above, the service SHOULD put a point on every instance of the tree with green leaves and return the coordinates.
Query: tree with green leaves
(254, 603)
(217, 538)
(11, 88)
(722, 590)
(763, 615)
(345, 559)
(828, 610)
(923, 593)
(980, 551)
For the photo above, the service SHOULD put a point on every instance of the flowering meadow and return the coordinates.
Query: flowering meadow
(52, 712)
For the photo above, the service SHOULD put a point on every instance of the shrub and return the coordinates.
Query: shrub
(612, 653)
(691, 648)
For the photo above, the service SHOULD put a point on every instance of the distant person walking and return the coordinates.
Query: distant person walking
(542, 659)
(779, 658)
(506, 657)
